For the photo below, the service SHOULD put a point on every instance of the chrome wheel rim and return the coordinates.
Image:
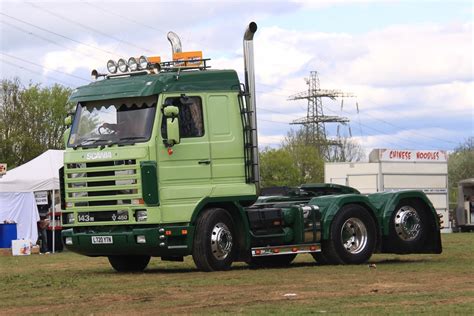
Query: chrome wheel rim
(354, 235)
(407, 223)
(221, 241)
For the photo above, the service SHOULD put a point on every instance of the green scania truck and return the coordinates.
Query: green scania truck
(162, 161)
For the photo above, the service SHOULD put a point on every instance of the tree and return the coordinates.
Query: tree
(306, 157)
(277, 168)
(31, 120)
(348, 151)
(460, 166)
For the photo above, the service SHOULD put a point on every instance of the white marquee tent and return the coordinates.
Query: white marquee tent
(17, 187)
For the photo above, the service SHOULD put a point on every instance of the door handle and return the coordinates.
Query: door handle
(204, 162)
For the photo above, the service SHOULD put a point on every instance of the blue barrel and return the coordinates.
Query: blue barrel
(7, 234)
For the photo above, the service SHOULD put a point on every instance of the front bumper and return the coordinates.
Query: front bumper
(160, 240)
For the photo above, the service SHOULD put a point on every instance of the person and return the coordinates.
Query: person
(42, 225)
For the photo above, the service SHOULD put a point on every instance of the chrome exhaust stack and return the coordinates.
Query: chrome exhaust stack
(250, 97)
(175, 42)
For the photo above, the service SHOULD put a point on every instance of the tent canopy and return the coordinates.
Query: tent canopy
(17, 201)
(20, 207)
(39, 174)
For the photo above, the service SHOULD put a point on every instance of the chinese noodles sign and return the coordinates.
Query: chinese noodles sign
(413, 155)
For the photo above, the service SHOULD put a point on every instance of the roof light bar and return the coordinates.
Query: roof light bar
(154, 65)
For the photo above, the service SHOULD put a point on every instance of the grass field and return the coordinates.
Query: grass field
(67, 283)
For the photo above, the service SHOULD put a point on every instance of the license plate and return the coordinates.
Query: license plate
(101, 240)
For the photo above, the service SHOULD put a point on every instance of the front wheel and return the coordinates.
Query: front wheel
(353, 236)
(129, 263)
(214, 245)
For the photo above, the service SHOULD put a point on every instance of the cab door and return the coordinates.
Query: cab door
(189, 161)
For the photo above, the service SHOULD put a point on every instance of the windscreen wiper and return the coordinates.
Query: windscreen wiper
(122, 140)
(89, 142)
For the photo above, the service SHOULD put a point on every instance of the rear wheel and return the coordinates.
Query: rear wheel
(352, 239)
(129, 263)
(272, 261)
(409, 226)
(214, 241)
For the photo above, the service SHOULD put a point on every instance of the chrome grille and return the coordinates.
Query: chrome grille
(113, 182)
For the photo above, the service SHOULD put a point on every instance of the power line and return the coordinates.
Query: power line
(122, 16)
(38, 65)
(277, 112)
(375, 118)
(315, 121)
(384, 133)
(366, 126)
(420, 134)
(43, 38)
(37, 73)
(399, 127)
(273, 121)
(88, 27)
(57, 34)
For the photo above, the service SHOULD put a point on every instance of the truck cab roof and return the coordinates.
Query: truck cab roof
(142, 85)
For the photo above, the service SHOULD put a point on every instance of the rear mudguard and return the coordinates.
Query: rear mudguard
(329, 205)
(381, 206)
(385, 204)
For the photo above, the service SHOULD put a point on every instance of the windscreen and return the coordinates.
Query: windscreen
(117, 121)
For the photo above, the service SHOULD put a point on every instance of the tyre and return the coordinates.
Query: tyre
(408, 226)
(214, 245)
(129, 263)
(352, 237)
(272, 261)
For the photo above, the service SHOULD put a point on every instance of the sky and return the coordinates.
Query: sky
(409, 63)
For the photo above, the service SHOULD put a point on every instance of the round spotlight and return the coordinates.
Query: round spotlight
(122, 65)
(112, 66)
(132, 64)
(143, 62)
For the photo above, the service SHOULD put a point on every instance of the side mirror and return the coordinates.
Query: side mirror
(68, 120)
(172, 125)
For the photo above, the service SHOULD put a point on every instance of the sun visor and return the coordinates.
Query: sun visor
(146, 85)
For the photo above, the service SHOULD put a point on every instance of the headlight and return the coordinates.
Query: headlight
(143, 62)
(68, 240)
(122, 65)
(112, 66)
(141, 215)
(132, 64)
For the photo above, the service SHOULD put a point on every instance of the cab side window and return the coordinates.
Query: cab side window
(191, 122)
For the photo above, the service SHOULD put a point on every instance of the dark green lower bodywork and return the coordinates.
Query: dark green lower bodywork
(174, 244)
(124, 240)
(381, 206)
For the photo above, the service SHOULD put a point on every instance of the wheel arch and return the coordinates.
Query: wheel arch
(236, 211)
(386, 204)
(330, 205)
